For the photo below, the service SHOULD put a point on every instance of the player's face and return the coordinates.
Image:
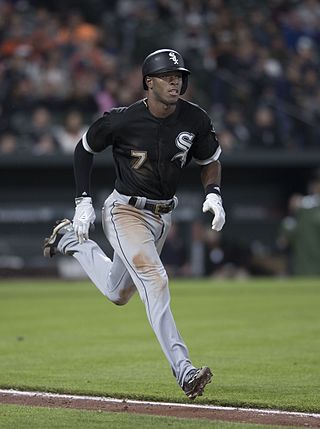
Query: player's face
(166, 87)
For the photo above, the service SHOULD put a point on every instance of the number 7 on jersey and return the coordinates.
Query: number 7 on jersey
(141, 156)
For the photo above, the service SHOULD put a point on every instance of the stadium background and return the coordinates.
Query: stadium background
(255, 69)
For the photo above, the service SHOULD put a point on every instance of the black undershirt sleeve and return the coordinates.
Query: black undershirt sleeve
(82, 167)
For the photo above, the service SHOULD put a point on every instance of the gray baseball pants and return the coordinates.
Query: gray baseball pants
(137, 237)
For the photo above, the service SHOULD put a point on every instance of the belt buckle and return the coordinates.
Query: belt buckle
(157, 208)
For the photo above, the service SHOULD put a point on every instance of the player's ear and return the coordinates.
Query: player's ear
(149, 81)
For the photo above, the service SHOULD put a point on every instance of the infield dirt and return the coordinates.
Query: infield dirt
(170, 410)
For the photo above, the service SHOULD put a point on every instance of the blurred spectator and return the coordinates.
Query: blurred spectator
(299, 236)
(40, 133)
(236, 134)
(265, 129)
(106, 97)
(46, 145)
(227, 141)
(69, 134)
(8, 143)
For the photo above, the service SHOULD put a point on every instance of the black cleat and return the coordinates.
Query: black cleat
(195, 382)
(49, 244)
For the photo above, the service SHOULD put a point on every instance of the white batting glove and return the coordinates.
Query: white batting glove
(84, 216)
(213, 204)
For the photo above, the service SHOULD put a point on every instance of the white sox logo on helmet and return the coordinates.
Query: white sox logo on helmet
(184, 142)
(172, 56)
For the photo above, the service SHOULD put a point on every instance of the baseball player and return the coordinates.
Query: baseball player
(152, 141)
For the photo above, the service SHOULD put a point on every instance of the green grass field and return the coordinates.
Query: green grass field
(260, 337)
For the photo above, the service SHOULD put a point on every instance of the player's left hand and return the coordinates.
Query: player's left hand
(213, 204)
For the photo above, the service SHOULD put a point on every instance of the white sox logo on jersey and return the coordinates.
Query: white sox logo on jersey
(184, 142)
(172, 56)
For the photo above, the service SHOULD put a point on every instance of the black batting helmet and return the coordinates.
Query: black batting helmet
(165, 60)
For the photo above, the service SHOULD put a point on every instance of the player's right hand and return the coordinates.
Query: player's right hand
(84, 216)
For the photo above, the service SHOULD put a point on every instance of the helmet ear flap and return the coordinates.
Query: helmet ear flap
(184, 83)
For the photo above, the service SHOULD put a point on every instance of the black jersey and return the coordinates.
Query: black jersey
(150, 153)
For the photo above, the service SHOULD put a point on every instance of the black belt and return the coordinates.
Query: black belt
(157, 208)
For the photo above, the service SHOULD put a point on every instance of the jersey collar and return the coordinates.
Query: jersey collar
(169, 118)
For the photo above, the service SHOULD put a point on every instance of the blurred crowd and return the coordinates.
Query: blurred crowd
(255, 67)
